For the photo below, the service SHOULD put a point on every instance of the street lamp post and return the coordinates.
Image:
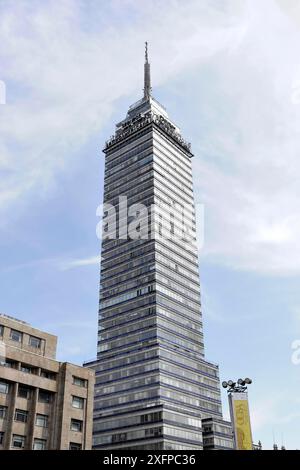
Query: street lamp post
(239, 412)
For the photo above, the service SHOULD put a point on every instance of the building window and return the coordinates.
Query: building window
(27, 369)
(4, 387)
(76, 425)
(39, 444)
(47, 374)
(80, 382)
(75, 446)
(1, 438)
(24, 392)
(119, 437)
(21, 415)
(207, 429)
(41, 420)
(151, 417)
(9, 363)
(3, 411)
(1, 330)
(172, 223)
(44, 397)
(16, 335)
(18, 441)
(35, 342)
(153, 432)
(77, 402)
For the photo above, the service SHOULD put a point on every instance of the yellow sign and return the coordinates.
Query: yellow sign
(242, 423)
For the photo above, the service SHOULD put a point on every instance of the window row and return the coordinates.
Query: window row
(141, 251)
(43, 395)
(160, 194)
(191, 388)
(176, 286)
(173, 187)
(130, 157)
(171, 163)
(179, 298)
(187, 374)
(176, 268)
(128, 372)
(186, 332)
(179, 318)
(111, 270)
(129, 398)
(122, 342)
(127, 189)
(179, 359)
(133, 165)
(170, 304)
(165, 193)
(172, 152)
(128, 385)
(128, 179)
(126, 286)
(184, 344)
(191, 401)
(127, 296)
(127, 307)
(18, 442)
(142, 186)
(121, 331)
(28, 369)
(183, 180)
(40, 419)
(186, 258)
(187, 282)
(123, 150)
(130, 317)
(17, 336)
(182, 434)
(128, 436)
(121, 247)
(128, 360)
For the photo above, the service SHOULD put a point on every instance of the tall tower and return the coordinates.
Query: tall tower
(153, 384)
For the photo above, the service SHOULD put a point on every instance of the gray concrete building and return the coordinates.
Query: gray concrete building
(44, 404)
(154, 384)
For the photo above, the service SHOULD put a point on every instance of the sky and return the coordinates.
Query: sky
(229, 75)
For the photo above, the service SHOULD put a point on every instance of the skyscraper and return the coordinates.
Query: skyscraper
(153, 383)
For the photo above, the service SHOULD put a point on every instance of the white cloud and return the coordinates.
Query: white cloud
(75, 263)
(252, 194)
(61, 263)
(291, 7)
(66, 64)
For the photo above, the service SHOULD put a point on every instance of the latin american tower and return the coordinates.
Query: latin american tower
(154, 385)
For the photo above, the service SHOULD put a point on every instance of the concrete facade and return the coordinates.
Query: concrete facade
(44, 404)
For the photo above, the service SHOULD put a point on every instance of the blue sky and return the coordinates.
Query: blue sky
(229, 76)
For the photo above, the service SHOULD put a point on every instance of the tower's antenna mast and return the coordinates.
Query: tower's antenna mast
(147, 77)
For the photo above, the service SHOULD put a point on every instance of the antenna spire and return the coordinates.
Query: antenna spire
(147, 77)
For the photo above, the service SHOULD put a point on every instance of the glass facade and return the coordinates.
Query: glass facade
(217, 434)
(153, 384)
